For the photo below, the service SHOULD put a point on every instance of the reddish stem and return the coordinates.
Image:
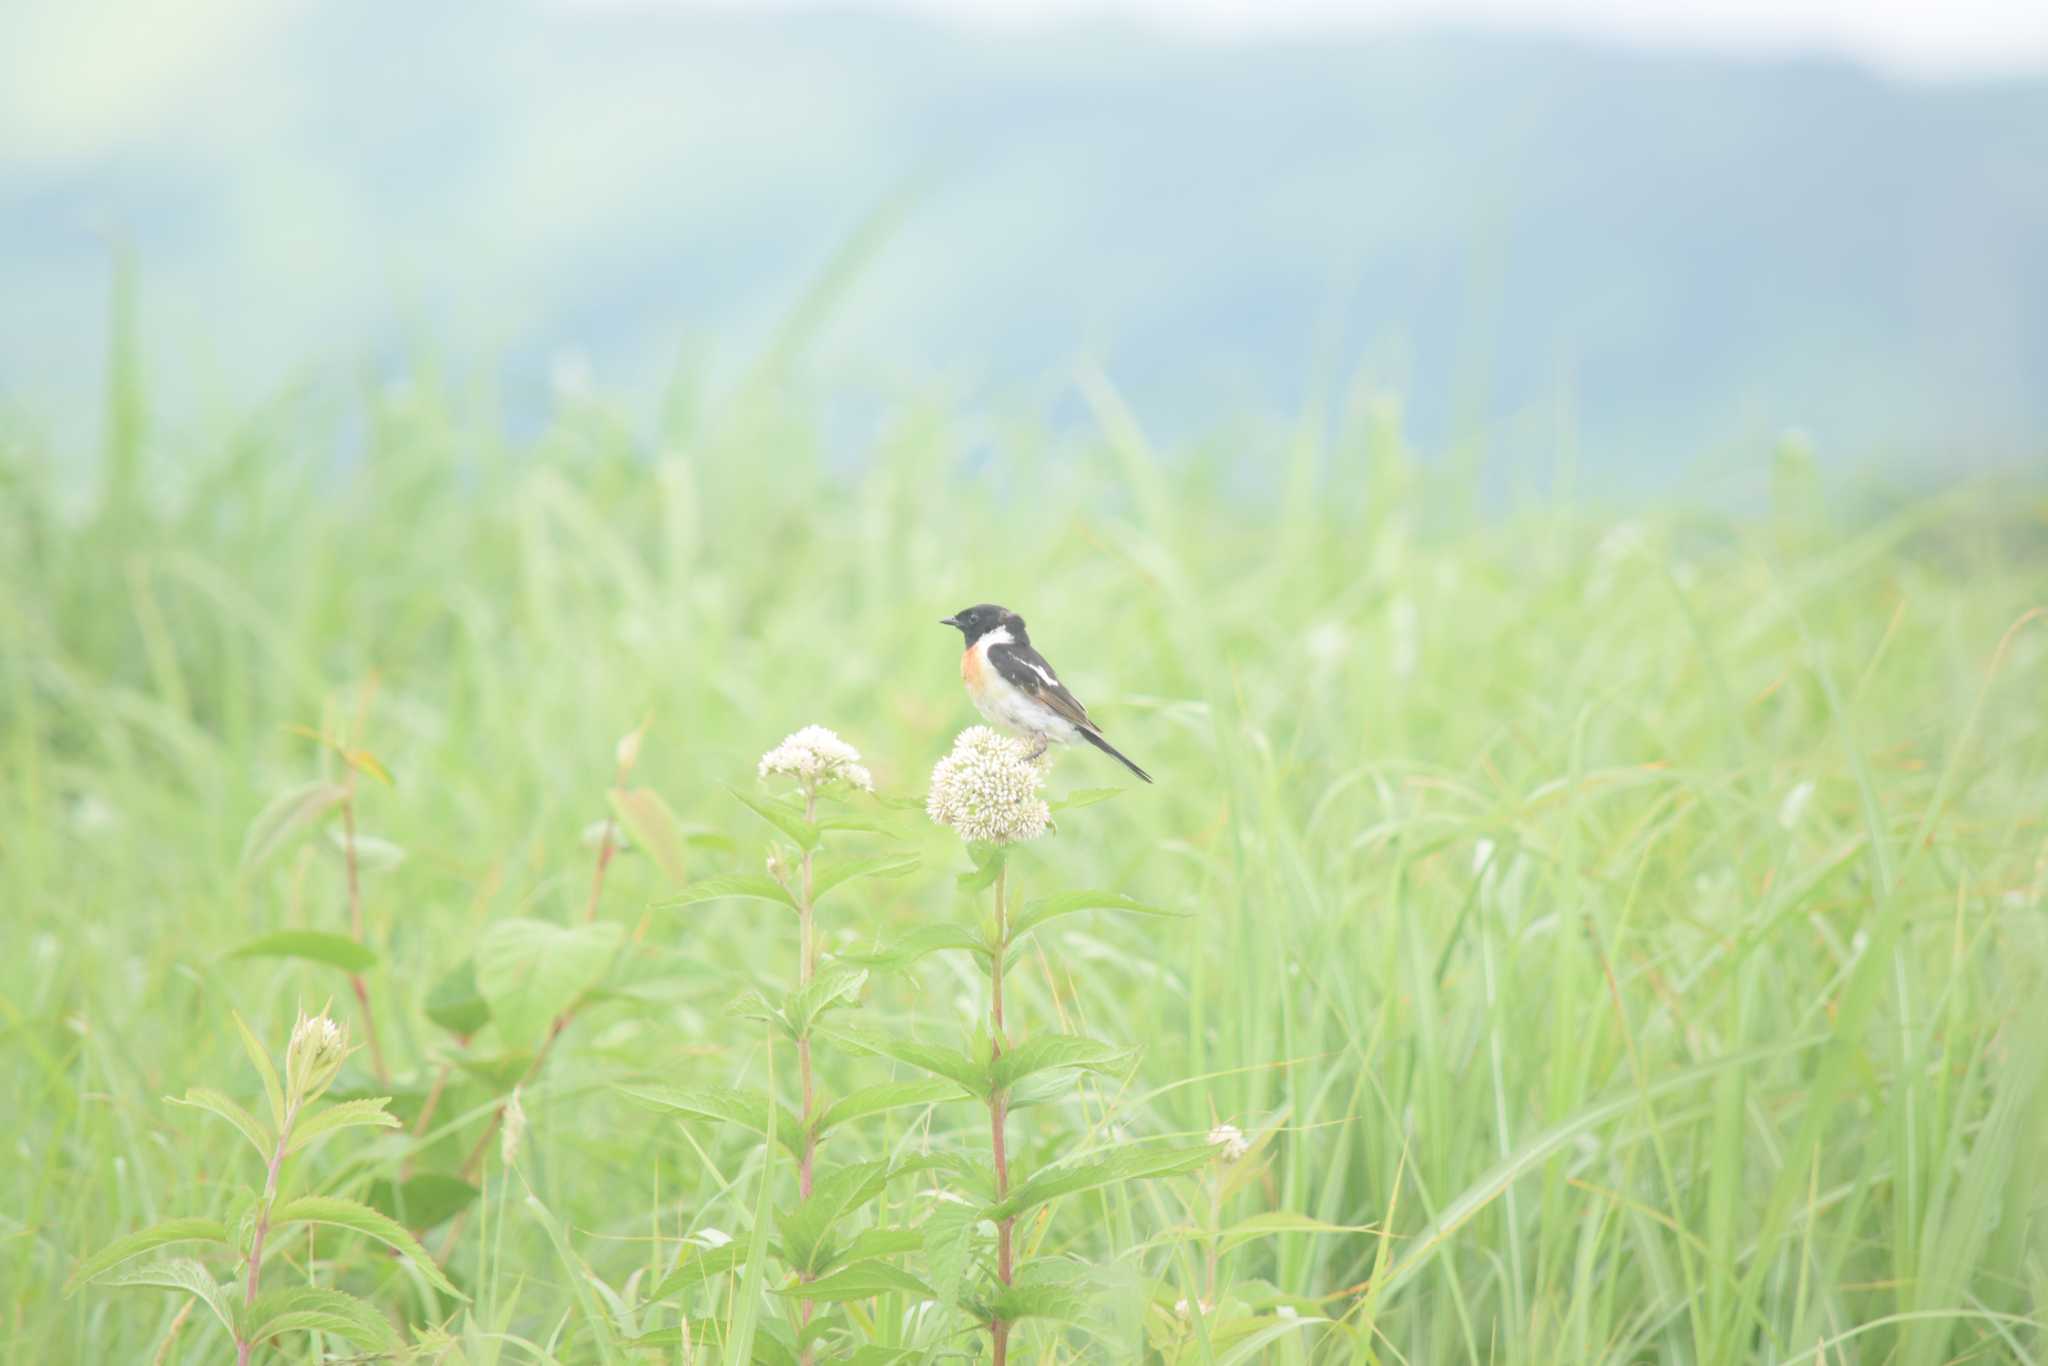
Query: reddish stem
(999, 1110)
(244, 1346)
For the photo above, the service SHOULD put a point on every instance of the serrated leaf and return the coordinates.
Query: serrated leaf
(1067, 1303)
(312, 946)
(146, 1240)
(742, 886)
(782, 816)
(288, 815)
(949, 1247)
(1108, 1169)
(347, 1114)
(926, 939)
(834, 985)
(654, 828)
(530, 971)
(988, 861)
(338, 1213)
(1085, 796)
(835, 1192)
(455, 1004)
(1041, 909)
(938, 1059)
(872, 1244)
(212, 1101)
(265, 1068)
(180, 1273)
(727, 1105)
(698, 1265)
(858, 824)
(1055, 1050)
(306, 1309)
(825, 876)
(424, 1200)
(895, 1095)
(860, 1282)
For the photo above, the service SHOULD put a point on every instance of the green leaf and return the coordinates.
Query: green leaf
(289, 814)
(782, 816)
(1055, 1050)
(836, 1192)
(1041, 909)
(938, 1059)
(499, 1072)
(531, 971)
(1108, 1169)
(1277, 1222)
(727, 1105)
(988, 861)
(895, 1095)
(314, 946)
(653, 827)
(742, 886)
(205, 1098)
(826, 876)
(949, 1247)
(1042, 1300)
(307, 1309)
(699, 1265)
(834, 985)
(364, 762)
(265, 1068)
(1085, 796)
(181, 1273)
(860, 1282)
(339, 1213)
(926, 939)
(739, 1344)
(455, 1004)
(424, 1200)
(146, 1240)
(871, 1244)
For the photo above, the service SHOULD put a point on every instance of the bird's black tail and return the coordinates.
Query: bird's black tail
(1095, 738)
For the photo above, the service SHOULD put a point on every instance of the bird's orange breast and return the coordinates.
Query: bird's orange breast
(971, 666)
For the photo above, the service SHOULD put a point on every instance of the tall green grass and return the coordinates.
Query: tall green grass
(1636, 928)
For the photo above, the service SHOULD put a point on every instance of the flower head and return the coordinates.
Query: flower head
(815, 756)
(987, 789)
(318, 1045)
(1229, 1141)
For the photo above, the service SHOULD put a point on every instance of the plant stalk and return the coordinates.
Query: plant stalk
(244, 1346)
(807, 966)
(999, 1107)
(355, 925)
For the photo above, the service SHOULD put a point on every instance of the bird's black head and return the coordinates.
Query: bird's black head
(976, 622)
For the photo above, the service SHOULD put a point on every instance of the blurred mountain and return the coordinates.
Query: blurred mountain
(1653, 259)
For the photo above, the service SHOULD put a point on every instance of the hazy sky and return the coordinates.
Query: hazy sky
(1928, 38)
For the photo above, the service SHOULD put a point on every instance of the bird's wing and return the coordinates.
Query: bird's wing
(1024, 668)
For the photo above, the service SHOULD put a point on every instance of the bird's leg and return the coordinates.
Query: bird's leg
(1035, 754)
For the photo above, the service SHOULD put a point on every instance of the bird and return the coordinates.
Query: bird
(1011, 684)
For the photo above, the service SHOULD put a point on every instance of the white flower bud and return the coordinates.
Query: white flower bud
(317, 1048)
(1231, 1142)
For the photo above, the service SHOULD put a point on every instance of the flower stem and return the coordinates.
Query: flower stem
(999, 1107)
(244, 1346)
(355, 925)
(807, 966)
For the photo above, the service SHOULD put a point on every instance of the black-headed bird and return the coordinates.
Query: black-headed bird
(1013, 686)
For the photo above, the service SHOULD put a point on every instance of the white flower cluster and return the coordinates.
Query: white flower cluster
(1230, 1140)
(987, 789)
(314, 1055)
(814, 755)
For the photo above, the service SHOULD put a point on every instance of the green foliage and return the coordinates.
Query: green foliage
(1617, 940)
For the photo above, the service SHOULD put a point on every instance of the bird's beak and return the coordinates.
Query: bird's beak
(954, 622)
